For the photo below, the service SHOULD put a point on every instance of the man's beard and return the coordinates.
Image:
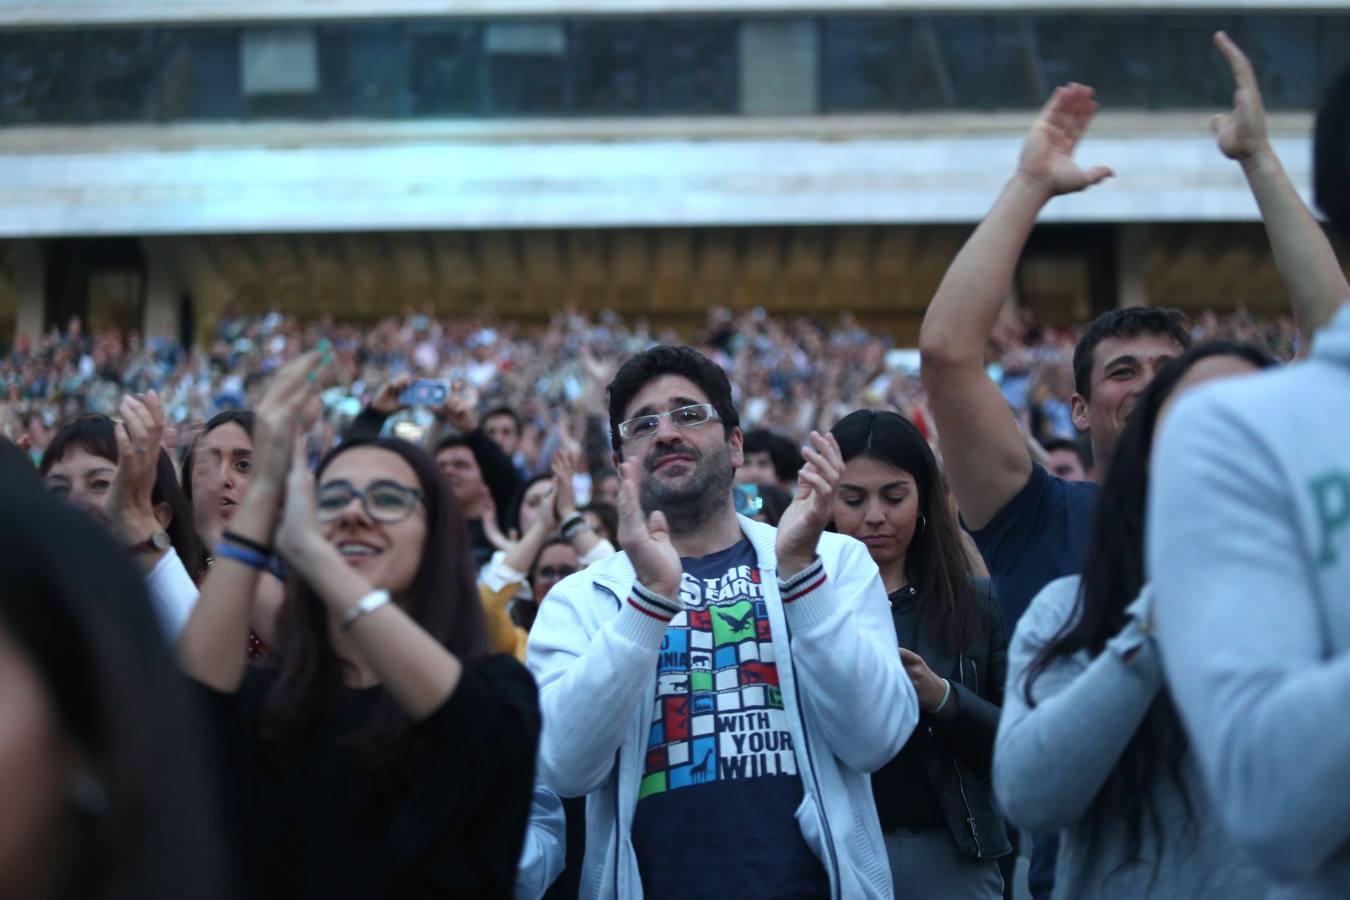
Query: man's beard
(701, 495)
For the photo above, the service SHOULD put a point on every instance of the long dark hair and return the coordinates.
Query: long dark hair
(98, 435)
(145, 824)
(241, 417)
(1113, 576)
(935, 563)
(443, 600)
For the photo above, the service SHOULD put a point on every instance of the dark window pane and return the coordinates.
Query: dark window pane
(527, 68)
(861, 61)
(39, 76)
(444, 77)
(696, 66)
(1281, 49)
(608, 67)
(1335, 50)
(121, 69)
(1112, 54)
(1190, 74)
(361, 68)
(989, 60)
(201, 74)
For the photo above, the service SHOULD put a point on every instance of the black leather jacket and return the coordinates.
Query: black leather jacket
(959, 747)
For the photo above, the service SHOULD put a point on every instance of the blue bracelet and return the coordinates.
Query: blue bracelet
(241, 555)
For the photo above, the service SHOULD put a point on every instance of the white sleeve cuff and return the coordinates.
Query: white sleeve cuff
(173, 593)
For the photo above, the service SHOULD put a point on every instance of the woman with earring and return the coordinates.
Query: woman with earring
(943, 830)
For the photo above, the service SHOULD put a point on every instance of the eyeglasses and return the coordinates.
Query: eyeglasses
(685, 417)
(387, 502)
(558, 572)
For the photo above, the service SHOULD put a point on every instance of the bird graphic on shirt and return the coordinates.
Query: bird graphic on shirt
(738, 624)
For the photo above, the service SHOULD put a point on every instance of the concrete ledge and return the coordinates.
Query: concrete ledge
(227, 179)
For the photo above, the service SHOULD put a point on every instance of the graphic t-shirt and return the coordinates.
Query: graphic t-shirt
(720, 786)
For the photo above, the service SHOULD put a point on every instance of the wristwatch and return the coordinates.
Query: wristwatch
(157, 542)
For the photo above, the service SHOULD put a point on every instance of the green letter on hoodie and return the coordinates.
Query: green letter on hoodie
(1331, 493)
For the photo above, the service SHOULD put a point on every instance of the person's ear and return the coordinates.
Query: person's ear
(1079, 410)
(163, 515)
(737, 444)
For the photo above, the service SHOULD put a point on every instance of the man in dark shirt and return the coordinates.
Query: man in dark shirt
(1030, 526)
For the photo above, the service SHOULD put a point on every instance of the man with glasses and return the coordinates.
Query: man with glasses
(721, 688)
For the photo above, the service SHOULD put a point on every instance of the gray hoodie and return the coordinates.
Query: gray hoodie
(1249, 554)
(1051, 760)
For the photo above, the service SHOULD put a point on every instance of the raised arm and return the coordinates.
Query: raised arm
(211, 647)
(985, 454)
(1303, 255)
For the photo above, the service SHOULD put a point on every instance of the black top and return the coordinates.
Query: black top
(903, 792)
(446, 821)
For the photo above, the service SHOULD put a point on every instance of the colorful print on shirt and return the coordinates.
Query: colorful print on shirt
(719, 712)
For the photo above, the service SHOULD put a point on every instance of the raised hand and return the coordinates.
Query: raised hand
(1047, 154)
(389, 399)
(298, 532)
(490, 527)
(461, 411)
(812, 506)
(563, 466)
(278, 418)
(646, 539)
(1241, 134)
(130, 505)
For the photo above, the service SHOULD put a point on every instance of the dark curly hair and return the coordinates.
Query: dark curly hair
(652, 364)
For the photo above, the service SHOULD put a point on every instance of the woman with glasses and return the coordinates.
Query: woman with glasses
(943, 829)
(378, 751)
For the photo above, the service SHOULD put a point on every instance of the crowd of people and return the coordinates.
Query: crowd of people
(594, 613)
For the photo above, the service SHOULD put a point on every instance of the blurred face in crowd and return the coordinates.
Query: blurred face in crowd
(681, 465)
(758, 469)
(466, 479)
(879, 505)
(385, 547)
(222, 467)
(606, 489)
(502, 429)
(36, 763)
(555, 563)
(598, 525)
(1065, 463)
(84, 479)
(536, 495)
(1121, 368)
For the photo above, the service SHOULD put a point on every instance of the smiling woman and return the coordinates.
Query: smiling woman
(379, 750)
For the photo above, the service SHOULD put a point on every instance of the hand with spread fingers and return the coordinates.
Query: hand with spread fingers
(646, 539)
(812, 506)
(563, 465)
(1047, 155)
(130, 505)
(1241, 133)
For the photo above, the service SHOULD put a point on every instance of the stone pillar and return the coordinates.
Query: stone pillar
(30, 287)
(1131, 258)
(163, 288)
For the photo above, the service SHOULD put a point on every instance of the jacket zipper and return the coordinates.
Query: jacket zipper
(811, 767)
(960, 780)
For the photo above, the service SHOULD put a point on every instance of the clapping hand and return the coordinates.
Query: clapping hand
(812, 506)
(646, 539)
(1047, 155)
(130, 505)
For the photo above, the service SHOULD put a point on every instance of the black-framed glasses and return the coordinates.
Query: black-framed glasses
(387, 502)
(555, 572)
(640, 427)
